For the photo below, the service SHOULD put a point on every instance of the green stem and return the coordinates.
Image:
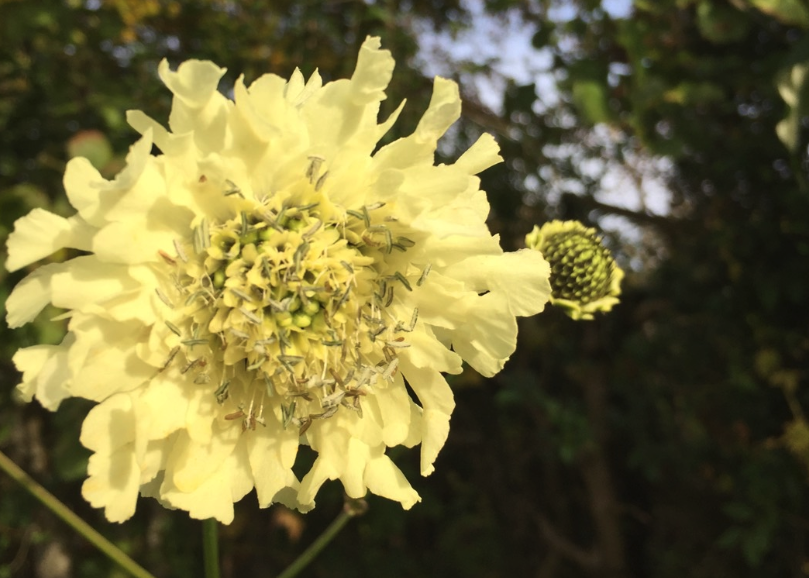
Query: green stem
(210, 547)
(352, 509)
(54, 505)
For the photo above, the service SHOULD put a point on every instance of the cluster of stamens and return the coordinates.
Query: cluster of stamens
(289, 300)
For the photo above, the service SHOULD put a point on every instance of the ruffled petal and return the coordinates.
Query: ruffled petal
(438, 402)
(107, 348)
(45, 373)
(113, 482)
(373, 72)
(272, 453)
(198, 107)
(392, 403)
(480, 156)
(384, 479)
(213, 497)
(321, 471)
(419, 148)
(489, 337)
(85, 283)
(31, 295)
(41, 233)
(522, 278)
(192, 463)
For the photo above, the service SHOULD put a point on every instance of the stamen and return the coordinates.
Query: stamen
(202, 237)
(402, 279)
(424, 274)
(321, 181)
(172, 354)
(180, 251)
(232, 189)
(164, 298)
(173, 328)
(167, 258)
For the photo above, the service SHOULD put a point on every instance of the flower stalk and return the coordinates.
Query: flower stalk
(352, 509)
(210, 547)
(57, 507)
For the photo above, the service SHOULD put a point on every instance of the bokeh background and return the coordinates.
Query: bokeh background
(666, 439)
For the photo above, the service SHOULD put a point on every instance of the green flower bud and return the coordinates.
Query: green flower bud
(301, 319)
(311, 307)
(584, 276)
(250, 237)
(283, 319)
(219, 278)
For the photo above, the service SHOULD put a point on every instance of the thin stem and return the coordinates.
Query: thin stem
(54, 505)
(210, 547)
(352, 509)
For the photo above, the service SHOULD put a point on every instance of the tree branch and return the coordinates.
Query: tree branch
(586, 559)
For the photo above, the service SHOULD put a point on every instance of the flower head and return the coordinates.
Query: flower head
(269, 280)
(584, 277)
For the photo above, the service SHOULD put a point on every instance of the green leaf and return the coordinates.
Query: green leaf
(787, 11)
(721, 24)
(590, 97)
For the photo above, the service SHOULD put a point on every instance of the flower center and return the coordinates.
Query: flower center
(287, 300)
(581, 267)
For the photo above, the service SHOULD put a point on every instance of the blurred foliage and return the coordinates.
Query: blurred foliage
(667, 439)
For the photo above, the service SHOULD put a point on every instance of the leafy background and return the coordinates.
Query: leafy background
(666, 439)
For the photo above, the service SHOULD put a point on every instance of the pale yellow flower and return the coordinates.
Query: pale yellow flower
(268, 281)
(584, 277)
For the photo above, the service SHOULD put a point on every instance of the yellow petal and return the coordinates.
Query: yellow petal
(153, 461)
(45, 373)
(522, 278)
(197, 106)
(393, 404)
(85, 282)
(442, 301)
(109, 425)
(85, 188)
(41, 233)
(427, 351)
(133, 241)
(489, 337)
(191, 463)
(142, 123)
(435, 431)
(419, 148)
(353, 476)
(438, 402)
(214, 496)
(271, 451)
(321, 471)
(480, 156)
(29, 361)
(385, 479)
(113, 482)
(373, 72)
(31, 295)
(296, 92)
(194, 82)
(110, 362)
(166, 401)
(444, 110)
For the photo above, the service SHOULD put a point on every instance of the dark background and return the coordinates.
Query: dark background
(665, 439)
